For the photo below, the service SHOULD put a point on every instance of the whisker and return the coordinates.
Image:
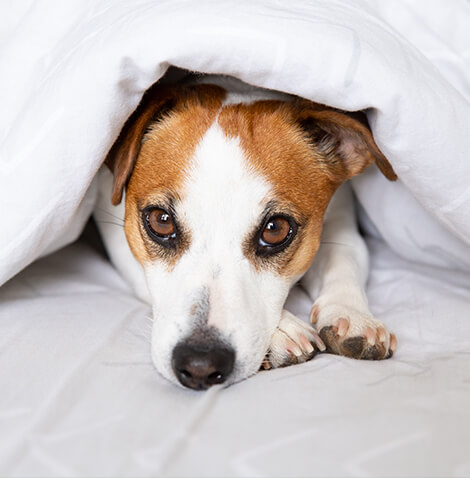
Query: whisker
(335, 243)
(141, 334)
(110, 222)
(147, 325)
(109, 213)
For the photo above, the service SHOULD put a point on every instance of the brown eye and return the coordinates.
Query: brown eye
(161, 223)
(275, 235)
(160, 226)
(275, 231)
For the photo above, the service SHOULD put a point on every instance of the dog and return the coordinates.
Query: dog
(233, 194)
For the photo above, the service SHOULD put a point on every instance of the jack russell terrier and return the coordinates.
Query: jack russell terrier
(228, 200)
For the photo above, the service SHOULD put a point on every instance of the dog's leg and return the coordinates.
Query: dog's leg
(337, 279)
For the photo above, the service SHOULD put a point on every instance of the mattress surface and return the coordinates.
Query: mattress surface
(80, 396)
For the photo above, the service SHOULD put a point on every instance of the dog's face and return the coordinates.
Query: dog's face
(224, 209)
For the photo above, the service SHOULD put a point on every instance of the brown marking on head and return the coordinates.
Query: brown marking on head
(152, 153)
(305, 151)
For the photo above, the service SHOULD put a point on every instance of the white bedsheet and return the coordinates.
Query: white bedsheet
(80, 397)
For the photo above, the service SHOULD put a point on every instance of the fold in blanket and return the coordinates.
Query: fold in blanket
(72, 78)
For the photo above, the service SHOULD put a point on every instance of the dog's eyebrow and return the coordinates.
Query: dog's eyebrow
(164, 199)
(279, 207)
(270, 206)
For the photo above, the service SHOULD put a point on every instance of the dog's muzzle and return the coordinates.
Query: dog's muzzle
(201, 365)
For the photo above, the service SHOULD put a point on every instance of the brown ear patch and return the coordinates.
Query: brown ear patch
(157, 102)
(346, 143)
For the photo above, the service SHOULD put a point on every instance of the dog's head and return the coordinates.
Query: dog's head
(224, 210)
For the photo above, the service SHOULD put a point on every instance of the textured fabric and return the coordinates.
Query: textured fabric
(73, 71)
(80, 396)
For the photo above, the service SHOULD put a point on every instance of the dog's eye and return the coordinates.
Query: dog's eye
(275, 231)
(160, 226)
(161, 223)
(276, 234)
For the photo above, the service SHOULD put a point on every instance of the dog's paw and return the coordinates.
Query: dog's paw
(346, 331)
(294, 341)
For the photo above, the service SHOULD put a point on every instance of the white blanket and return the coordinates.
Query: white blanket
(72, 72)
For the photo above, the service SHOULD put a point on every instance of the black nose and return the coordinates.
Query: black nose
(200, 367)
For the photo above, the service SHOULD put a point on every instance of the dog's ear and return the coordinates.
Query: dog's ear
(345, 141)
(122, 156)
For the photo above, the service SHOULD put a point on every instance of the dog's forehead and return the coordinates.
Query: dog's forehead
(276, 148)
(262, 135)
(223, 195)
